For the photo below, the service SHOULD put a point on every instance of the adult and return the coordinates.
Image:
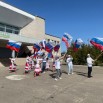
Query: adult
(89, 64)
(70, 64)
(43, 63)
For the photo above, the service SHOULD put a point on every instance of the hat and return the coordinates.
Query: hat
(88, 54)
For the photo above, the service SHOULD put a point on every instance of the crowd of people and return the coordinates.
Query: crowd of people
(41, 64)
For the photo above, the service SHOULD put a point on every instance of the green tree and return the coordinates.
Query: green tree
(79, 57)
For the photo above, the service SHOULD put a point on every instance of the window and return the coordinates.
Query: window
(2, 25)
(16, 32)
(2, 29)
(9, 28)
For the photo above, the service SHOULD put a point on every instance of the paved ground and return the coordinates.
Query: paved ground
(76, 88)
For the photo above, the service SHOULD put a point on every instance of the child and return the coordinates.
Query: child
(37, 70)
(12, 67)
(27, 66)
(47, 64)
(32, 62)
(58, 68)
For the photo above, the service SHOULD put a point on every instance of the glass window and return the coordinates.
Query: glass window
(9, 27)
(2, 29)
(2, 25)
(16, 32)
(9, 30)
(15, 28)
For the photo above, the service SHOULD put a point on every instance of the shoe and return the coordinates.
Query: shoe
(60, 78)
(56, 79)
(68, 73)
(72, 73)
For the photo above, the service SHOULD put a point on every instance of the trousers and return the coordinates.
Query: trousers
(70, 68)
(89, 71)
(59, 73)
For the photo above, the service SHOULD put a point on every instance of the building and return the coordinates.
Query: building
(21, 26)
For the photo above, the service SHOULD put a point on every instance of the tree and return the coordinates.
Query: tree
(81, 55)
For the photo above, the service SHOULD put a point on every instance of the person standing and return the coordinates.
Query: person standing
(37, 69)
(43, 64)
(12, 66)
(70, 64)
(27, 65)
(47, 64)
(58, 68)
(89, 64)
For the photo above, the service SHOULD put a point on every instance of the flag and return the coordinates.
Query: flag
(52, 43)
(65, 41)
(97, 42)
(13, 45)
(36, 47)
(50, 55)
(79, 41)
(48, 47)
(56, 48)
(40, 52)
(77, 44)
(42, 44)
(35, 55)
(67, 38)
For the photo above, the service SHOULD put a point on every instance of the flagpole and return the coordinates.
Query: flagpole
(63, 57)
(98, 56)
(13, 53)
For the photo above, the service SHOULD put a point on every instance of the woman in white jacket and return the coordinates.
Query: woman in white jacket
(70, 64)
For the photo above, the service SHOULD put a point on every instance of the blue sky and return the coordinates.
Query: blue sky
(80, 18)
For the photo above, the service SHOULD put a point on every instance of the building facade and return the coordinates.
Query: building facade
(21, 26)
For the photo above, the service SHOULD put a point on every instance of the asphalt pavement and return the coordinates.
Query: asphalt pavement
(18, 87)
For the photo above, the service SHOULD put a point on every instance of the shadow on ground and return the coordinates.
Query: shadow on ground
(53, 75)
(81, 73)
(5, 62)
